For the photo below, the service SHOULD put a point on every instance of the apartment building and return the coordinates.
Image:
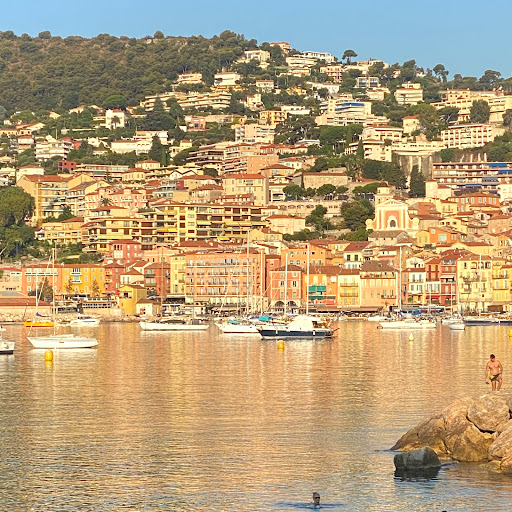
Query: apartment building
(272, 117)
(474, 282)
(216, 100)
(333, 71)
(468, 176)
(252, 133)
(326, 57)
(463, 136)
(62, 233)
(225, 279)
(49, 148)
(241, 183)
(265, 86)
(190, 78)
(378, 285)
(226, 79)
(367, 82)
(259, 56)
(463, 99)
(409, 94)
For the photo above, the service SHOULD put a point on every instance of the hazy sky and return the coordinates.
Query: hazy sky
(467, 36)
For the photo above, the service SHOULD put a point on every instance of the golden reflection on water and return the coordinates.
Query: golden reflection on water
(159, 421)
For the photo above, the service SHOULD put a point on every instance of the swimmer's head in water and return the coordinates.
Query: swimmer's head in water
(316, 497)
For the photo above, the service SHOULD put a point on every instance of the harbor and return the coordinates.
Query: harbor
(207, 421)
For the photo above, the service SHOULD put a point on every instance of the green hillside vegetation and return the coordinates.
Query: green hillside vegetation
(47, 72)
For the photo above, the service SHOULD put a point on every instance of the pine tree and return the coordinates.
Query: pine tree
(417, 184)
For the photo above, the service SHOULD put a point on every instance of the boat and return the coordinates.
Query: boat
(39, 321)
(457, 325)
(302, 326)
(408, 323)
(236, 326)
(489, 320)
(174, 324)
(377, 318)
(6, 347)
(84, 321)
(58, 341)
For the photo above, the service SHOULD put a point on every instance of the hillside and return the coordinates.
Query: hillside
(48, 72)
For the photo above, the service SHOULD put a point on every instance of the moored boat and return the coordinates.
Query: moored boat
(457, 325)
(235, 326)
(408, 323)
(302, 326)
(174, 324)
(61, 341)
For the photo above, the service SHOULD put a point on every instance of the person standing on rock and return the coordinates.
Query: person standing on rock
(493, 371)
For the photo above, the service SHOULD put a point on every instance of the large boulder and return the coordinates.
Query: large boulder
(502, 446)
(468, 443)
(489, 413)
(423, 462)
(428, 433)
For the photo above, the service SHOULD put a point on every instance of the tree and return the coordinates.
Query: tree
(507, 119)
(446, 154)
(95, 288)
(355, 214)
(430, 122)
(480, 112)
(158, 119)
(441, 72)
(448, 114)
(69, 287)
(326, 190)
(294, 191)
(15, 206)
(115, 101)
(359, 235)
(158, 151)
(318, 220)
(3, 113)
(372, 169)
(181, 157)
(394, 175)
(417, 183)
(65, 214)
(348, 55)
(45, 290)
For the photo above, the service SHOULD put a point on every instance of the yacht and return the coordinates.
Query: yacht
(407, 323)
(84, 321)
(174, 324)
(302, 326)
(236, 326)
(58, 341)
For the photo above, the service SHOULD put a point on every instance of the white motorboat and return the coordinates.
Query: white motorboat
(174, 324)
(408, 323)
(457, 325)
(7, 347)
(302, 326)
(84, 321)
(377, 318)
(58, 341)
(235, 326)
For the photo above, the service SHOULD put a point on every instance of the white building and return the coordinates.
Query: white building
(326, 57)
(226, 79)
(257, 55)
(468, 135)
(49, 148)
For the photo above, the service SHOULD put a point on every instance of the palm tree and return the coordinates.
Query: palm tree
(106, 201)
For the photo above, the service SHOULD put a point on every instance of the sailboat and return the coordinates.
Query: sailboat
(58, 341)
(240, 325)
(38, 320)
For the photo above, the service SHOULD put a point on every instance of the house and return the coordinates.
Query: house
(129, 296)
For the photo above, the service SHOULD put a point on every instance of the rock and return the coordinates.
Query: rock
(423, 461)
(489, 412)
(502, 446)
(430, 432)
(469, 444)
(506, 464)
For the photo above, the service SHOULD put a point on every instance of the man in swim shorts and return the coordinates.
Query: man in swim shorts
(493, 371)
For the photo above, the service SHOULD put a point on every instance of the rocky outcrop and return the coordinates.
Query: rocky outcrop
(470, 430)
(417, 462)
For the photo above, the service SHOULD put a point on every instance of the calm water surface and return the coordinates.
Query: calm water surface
(210, 422)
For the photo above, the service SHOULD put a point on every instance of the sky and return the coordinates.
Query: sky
(467, 36)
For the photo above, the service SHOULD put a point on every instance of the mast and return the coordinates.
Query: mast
(261, 282)
(162, 282)
(285, 283)
(54, 320)
(247, 279)
(307, 281)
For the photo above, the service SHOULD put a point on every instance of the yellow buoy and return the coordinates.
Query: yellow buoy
(411, 337)
(510, 333)
(280, 345)
(48, 355)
